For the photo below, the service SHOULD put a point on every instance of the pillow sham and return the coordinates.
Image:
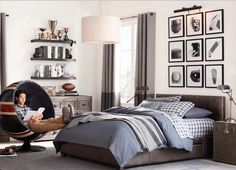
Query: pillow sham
(166, 99)
(150, 104)
(176, 108)
(197, 112)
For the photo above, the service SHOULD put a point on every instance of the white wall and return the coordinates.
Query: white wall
(26, 17)
(164, 9)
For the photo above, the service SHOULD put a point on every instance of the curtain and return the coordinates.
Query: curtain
(110, 95)
(2, 51)
(145, 55)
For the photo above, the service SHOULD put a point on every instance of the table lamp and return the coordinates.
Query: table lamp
(226, 89)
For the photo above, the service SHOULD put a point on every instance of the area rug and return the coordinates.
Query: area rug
(50, 160)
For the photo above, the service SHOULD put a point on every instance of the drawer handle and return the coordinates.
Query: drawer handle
(83, 104)
(54, 105)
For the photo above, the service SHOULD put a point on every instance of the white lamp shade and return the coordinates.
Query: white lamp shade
(101, 29)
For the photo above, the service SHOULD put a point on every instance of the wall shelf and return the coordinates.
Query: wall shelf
(53, 78)
(52, 59)
(53, 41)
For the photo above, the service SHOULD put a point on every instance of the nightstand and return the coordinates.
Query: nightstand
(224, 142)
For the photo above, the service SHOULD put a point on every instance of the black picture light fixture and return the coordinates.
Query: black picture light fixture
(139, 90)
(194, 7)
(226, 89)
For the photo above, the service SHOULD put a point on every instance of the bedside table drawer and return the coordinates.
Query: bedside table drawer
(57, 105)
(83, 105)
(224, 142)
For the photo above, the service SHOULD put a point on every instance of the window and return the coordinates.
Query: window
(127, 61)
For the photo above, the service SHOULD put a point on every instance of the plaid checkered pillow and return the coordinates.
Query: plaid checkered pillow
(166, 99)
(176, 108)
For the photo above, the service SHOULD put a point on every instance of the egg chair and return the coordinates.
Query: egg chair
(14, 126)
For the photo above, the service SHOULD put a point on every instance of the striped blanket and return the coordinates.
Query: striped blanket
(146, 128)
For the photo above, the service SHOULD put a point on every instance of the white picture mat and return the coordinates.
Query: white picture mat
(190, 82)
(214, 75)
(176, 45)
(190, 30)
(211, 20)
(181, 32)
(180, 71)
(189, 50)
(214, 49)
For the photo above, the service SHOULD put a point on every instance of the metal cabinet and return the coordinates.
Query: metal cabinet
(224, 142)
(80, 103)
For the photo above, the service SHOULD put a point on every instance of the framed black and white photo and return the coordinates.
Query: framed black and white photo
(176, 76)
(176, 26)
(194, 50)
(214, 21)
(214, 49)
(214, 75)
(194, 75)
(194, 24)
(176, 51)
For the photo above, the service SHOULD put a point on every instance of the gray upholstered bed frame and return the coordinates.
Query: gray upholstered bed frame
(202, 148)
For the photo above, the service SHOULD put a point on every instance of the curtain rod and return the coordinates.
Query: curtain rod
(135, 16)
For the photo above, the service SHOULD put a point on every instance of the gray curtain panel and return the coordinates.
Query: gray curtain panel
(109, 96)
(2, 51)
(145, 55)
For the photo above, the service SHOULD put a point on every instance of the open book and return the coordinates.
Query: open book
(30, 113)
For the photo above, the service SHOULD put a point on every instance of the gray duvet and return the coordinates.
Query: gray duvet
(118, 137)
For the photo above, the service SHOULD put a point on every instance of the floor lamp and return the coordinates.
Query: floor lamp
(139, 90)
(226, 89)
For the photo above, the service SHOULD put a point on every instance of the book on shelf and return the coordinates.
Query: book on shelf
(60, 53)
(50, 52)
(56, 53)
(53, 52)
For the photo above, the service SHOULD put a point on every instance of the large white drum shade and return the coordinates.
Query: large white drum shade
(101, 29)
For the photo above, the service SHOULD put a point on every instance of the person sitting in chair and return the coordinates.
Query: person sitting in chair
(36, 123)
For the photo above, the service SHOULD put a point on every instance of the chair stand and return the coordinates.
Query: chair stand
(27, 147)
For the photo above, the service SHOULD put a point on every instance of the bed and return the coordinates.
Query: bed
(202, 147)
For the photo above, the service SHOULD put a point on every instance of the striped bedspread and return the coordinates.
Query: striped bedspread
(145, 127)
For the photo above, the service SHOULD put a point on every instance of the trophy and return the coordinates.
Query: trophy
(42, 35)
(52, 26)
(59, 34)
(66, 36)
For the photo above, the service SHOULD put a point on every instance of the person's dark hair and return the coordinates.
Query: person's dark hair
(17, 94)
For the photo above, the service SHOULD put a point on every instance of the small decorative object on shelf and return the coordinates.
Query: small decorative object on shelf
(50, 90)
(42, 35)
(59, 34)
(68, 54)
(68, 86)
(66, 36)
(52, 26)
